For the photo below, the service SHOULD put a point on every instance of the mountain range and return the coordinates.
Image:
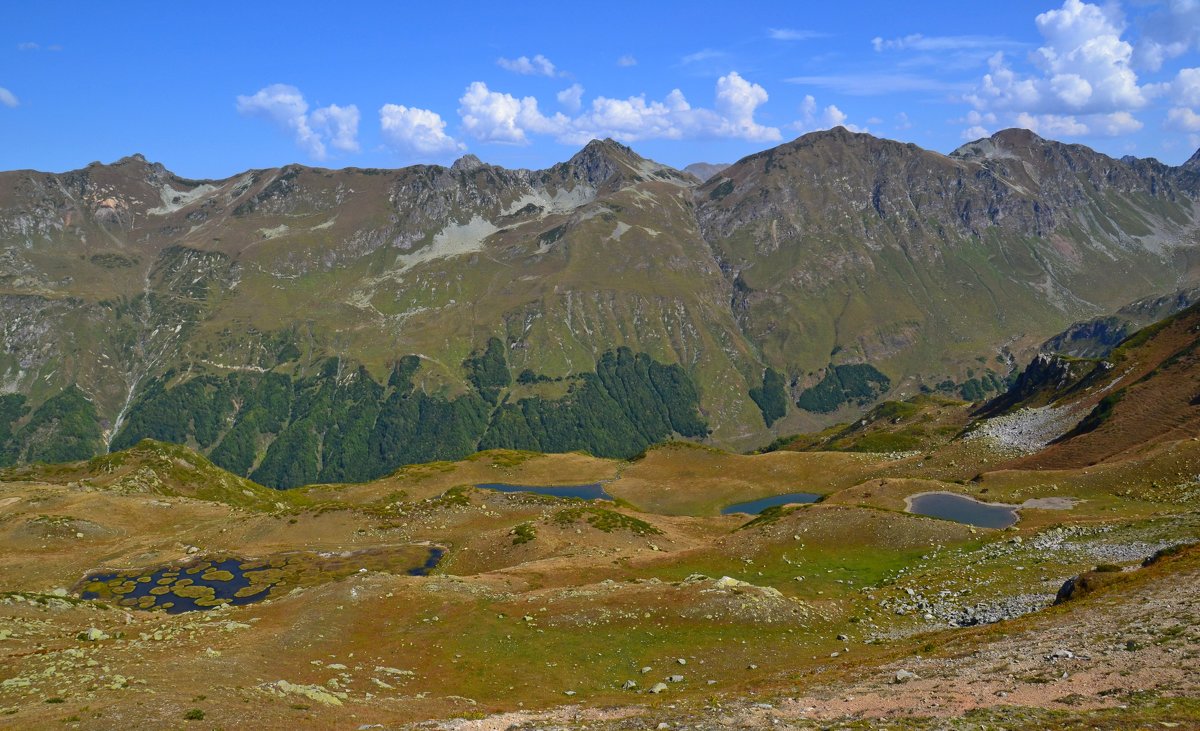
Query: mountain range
(301, 324)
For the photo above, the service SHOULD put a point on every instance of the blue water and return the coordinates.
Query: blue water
(963, 509)
(226, 590)
(435, 556)
(594, 491)
(221, 589)
(754, 507)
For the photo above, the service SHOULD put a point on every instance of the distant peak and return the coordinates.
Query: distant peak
(1003, 144)
(467, 163)
(606, 148)
(705, 170)
(1017, 137)
(135, 157)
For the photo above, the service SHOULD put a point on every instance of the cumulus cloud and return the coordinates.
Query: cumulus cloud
(539, 65)
(626, 61)
(1183, 120)
(339, 124)
(737, 99)
(8, 99)
(1185, 89)
(285, 106)
(1168, 32)
(812, 118)
(416, 131)
(979, 124)
(1084, 81)
(493, 116)
(571, 97)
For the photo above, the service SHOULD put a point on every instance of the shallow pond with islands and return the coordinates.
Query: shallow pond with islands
(210, 582)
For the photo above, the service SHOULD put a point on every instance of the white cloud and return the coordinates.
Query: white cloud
(492, 116)
(8, 99)
(828, 118)
(539, 65)
(571, 97)
(28, 46)
(1168, 32)
(919, 42)
(284, 105)
(626, 61)
(1085, 69)
(1084, 82)
(1052, 124)
(1115, 124)
(978, 124)
(902, 121)
(1183, 119)
(791, 34)
(340, 124)
(416, 131)
(1185, 89)
(737, 99)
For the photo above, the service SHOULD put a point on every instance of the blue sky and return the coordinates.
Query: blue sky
(212, 89)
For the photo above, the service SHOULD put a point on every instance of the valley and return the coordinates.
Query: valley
(629, 598)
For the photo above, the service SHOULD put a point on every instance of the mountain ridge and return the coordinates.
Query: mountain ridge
(840, 262)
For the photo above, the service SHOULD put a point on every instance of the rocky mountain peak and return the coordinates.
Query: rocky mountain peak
(1007, 143)
(601, 160)
(467, 163)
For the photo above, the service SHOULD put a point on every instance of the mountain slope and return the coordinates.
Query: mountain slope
(1080, 412)
(846, 248)
(274, 309)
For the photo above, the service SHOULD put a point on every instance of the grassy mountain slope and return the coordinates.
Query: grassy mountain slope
(841, 263)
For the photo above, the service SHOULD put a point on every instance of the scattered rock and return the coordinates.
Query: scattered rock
(311, 692)
(658, 688)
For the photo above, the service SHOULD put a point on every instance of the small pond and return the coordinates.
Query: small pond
(206, 583)
(754, 507)
(594, 491)
(963, 509)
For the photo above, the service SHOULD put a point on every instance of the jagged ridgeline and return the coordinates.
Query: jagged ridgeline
(341, 425)
(795, 288)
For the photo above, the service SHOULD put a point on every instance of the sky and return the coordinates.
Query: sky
(211, 89)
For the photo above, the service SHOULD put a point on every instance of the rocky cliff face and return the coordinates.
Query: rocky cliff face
(831, 251)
